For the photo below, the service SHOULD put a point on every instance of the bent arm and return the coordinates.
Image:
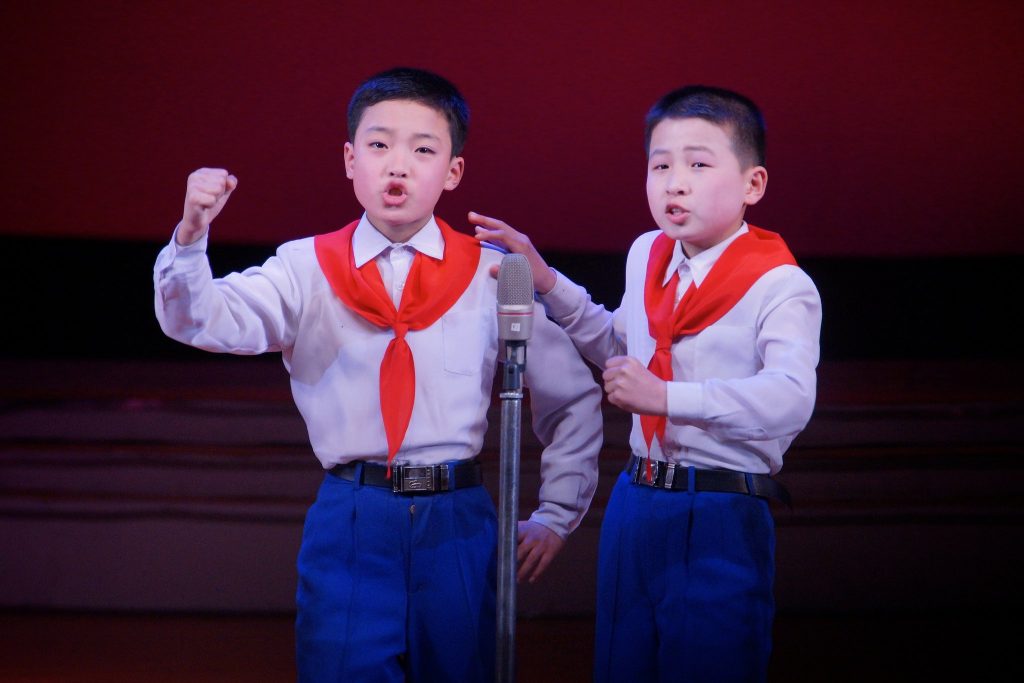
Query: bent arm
(599, 334)
(244, 313)
(778, 400)
(565, 403)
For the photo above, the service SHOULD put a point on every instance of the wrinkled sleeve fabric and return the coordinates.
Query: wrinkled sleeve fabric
(243, 313)
(599, 334)
(778, 400)
(565, 406)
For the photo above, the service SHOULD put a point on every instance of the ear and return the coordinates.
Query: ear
(350, 160)
(757, 183)
(455, 170)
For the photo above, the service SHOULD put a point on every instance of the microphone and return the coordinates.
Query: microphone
(515, 306)
(515, 323)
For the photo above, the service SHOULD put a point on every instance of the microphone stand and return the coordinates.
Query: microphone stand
(508, 512)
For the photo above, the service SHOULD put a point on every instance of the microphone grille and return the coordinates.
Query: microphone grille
(515, 281)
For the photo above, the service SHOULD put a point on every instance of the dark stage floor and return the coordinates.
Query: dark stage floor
(897, 564)
(113, 648)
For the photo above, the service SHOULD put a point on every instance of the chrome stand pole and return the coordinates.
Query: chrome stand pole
(508, 510)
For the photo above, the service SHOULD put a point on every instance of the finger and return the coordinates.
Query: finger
(487, 221)
(215, 186)
(611, 373)
(528, 566)
(490, 236)
(523, 548)
(616, 361)
(203, 200)
(208, 175)
(542, 564)
(232, 183)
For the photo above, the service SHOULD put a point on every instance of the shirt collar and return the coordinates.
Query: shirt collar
(368, 242)
(701, 264)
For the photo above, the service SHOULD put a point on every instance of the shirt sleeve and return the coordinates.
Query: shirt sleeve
(244, 313)
(778, 400)
(565, 404)
(596, 332)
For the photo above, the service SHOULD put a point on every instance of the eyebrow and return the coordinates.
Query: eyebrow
(687, 148)
(391, 131)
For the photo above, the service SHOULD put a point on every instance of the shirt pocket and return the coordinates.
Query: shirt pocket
(464, 339)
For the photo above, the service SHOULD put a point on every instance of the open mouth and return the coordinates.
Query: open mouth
(394, 194)
(676, 214)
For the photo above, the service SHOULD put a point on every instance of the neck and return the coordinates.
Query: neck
(691, 249)
(400, 233)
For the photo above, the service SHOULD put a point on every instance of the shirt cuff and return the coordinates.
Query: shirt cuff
(559, 526)
(564, 299)
(685, 400)
(197, 247)
(180, 257)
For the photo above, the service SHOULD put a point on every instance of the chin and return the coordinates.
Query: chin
(677, 232)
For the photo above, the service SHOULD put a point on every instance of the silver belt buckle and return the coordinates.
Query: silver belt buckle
(410, 479)
(640, 476)
(635, 474)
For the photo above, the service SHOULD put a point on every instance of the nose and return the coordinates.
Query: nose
(398, 164)
(677, 184)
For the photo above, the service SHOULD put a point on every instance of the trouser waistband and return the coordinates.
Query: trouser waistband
(673, 477)
(410, 479)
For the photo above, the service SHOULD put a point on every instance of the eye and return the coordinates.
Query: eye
(659, 167)
(699, 164)
(424, 150)
(378, 145)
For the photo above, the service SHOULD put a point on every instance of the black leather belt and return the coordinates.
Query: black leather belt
(673, 477)
(447, 476)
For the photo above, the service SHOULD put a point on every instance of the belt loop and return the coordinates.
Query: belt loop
(670, 475)
(358, 478)
(691, 479)
(749, 478)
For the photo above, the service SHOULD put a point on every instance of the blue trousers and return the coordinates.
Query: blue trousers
(684, 586)
(395, 588)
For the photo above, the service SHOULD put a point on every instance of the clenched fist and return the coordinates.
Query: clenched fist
(206, 193)
(633, 387)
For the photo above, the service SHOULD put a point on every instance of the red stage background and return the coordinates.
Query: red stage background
(893, 126)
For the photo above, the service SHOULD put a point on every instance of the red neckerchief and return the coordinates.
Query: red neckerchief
(433, 286)
(743, 262)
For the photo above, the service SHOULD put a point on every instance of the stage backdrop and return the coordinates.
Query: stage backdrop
(893, 126)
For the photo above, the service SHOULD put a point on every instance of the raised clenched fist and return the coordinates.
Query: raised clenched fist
(206, 192)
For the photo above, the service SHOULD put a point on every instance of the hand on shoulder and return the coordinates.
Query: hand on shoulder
(504, 235)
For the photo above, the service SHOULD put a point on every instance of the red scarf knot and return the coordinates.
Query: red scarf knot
(743, 262)
(433, 287)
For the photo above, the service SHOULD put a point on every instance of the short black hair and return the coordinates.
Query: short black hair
(737, 114)
(417, 85)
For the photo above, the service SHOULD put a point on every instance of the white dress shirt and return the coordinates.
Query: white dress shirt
(333, 356)
(742, 388)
